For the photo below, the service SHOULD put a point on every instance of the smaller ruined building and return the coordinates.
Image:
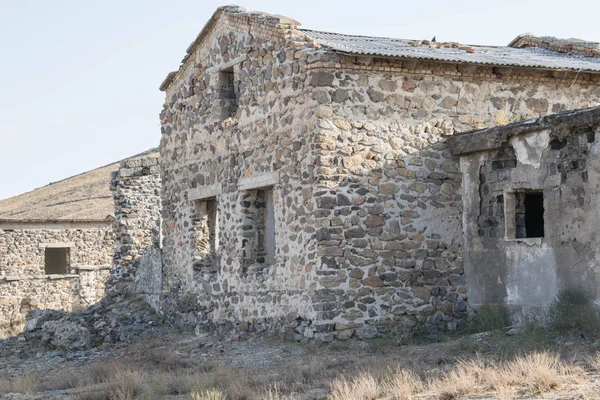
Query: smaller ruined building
(58, 243)
(530, 210)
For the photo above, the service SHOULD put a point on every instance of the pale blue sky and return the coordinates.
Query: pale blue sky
(79, 79)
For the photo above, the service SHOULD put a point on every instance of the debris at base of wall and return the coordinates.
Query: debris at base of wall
(117, 318)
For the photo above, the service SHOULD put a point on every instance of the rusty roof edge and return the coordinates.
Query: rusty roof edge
(469, 142)
(350, 45)
(469, 62)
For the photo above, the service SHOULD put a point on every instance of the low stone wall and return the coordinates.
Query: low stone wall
(24, 284)
(22, 245)
(19, 295)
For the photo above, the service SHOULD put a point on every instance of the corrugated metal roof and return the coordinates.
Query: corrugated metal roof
(486, 55)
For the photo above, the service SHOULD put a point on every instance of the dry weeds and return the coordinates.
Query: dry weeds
(157, 377)
(21, 384)
(208, 395)
(127, 384)
(532, 374)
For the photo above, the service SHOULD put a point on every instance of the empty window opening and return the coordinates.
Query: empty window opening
(529, 215)
(206, 240)
(269, 227)
(227, 94)
(258, 236)
(56, 260)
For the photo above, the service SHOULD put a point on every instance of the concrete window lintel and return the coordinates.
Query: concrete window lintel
(259, 181)
(57, 245)
(204, 192)
(91, 267)
(226, 65)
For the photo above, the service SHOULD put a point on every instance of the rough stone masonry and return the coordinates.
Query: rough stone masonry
(26, 285)
(55, 263)
(307, 183)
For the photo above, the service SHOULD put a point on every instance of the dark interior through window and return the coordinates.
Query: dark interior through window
(56, 260)
(529, 215)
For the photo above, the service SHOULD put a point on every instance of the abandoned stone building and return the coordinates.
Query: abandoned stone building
(307, 179)
(58, 242)
(530, 201)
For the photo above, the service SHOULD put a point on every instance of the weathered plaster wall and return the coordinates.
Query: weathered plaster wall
(526, 274)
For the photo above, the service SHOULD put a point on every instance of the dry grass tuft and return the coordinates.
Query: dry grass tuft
(273, 393)
(466, 378)
(402, 385)
(165, 360)
(208, 395)
(594, 362)
(126, 384)
(21, 384)
(538, 372)
(362, 387)
(535, 373)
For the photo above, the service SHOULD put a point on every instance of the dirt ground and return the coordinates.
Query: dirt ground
(164, 363)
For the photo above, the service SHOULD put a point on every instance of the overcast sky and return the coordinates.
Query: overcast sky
(79, 78)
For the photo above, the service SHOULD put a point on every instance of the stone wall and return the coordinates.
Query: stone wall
(22, 246)
(389, 192)
(23, 283)
(137, 264)
(203, 151)
(367, 197)
(559, 161)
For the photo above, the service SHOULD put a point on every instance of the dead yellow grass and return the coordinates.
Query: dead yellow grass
(465, 379)
(123, 380)
(402, 385)
(126, 384)
(534, 374)
(594, 362)
(537, 372)
(395, 385)
(362, 387)
(21, 384)
(208, 395)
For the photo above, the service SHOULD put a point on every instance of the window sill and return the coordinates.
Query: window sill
(529, 241)
(257, 271)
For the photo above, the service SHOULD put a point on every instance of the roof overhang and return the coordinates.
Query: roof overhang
(497, 137)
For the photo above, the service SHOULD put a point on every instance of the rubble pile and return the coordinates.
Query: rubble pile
(116, 318)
